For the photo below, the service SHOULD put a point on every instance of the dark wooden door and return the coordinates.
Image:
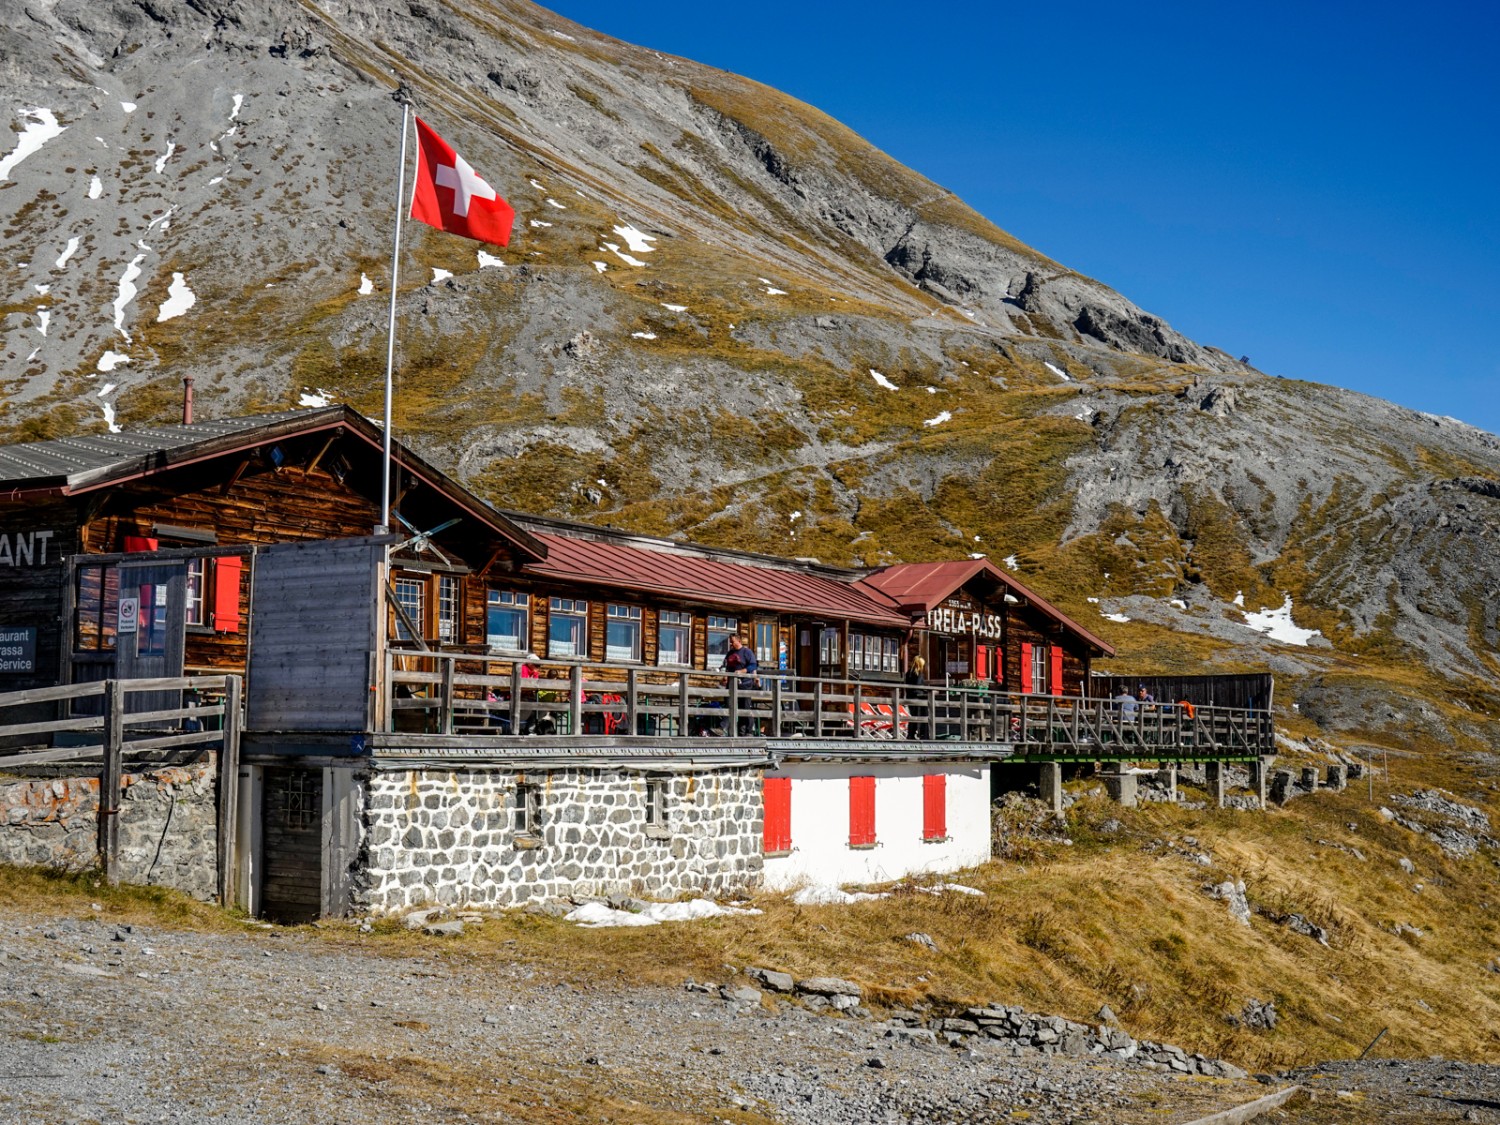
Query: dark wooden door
(152, 629)
(292, 836)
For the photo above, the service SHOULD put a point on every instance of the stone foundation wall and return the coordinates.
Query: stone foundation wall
(451, 836)
(168, 826)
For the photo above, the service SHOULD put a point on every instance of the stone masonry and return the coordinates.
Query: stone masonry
(456, 836)
(168, 826)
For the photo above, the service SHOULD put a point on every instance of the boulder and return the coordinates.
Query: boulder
(771, 979)
(829, 986)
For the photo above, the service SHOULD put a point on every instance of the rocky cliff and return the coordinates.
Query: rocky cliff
(723, 315)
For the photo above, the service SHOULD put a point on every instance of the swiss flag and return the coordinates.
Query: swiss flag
(450, 195)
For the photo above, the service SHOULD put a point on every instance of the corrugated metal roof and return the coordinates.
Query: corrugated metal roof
(921, 586)
(693, 576)
(70, 461)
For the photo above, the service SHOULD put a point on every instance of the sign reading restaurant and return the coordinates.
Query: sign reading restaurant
(17, 649)
(25, 548)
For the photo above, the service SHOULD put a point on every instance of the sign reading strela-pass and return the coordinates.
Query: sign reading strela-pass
(947, 619)
(17, 649)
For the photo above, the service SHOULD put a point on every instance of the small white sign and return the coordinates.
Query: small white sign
(130, 612)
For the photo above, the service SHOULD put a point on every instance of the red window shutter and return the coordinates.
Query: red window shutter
(935, 806)
(1026, 686)
(1057, 680)
(776, 797)
(135, 543)
(981, 662)
(861, 811)
(227, 571)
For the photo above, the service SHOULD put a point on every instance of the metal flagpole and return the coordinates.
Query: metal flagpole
(390, 346)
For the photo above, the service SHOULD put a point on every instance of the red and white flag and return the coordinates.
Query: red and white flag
(450, 195)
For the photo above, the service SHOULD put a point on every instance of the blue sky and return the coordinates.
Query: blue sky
(1314, 186)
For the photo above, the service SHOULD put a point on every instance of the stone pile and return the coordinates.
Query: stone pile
(1013, 1030)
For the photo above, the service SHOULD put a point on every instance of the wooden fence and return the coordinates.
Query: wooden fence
(453, 693)
(211, 717)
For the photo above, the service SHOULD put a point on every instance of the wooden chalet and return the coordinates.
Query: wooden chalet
(554, 672)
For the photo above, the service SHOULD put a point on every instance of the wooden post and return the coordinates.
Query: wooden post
(732, 684)
(388, 693)
(818, 708)
(776, 708)
(516, 680)
(632, 703)
(858, 712)
(111, 779)
(575, 700)
(445, 696)
(682, 705)
(229, 792)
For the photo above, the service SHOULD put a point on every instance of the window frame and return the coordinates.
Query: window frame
(681, 620)
(722, 626)
(448, 600)
(1041, 668)
(577, 612)
(407, 582)
(520, 603)
(629, 616)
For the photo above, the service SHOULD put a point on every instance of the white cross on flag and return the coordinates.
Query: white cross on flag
(450, 195)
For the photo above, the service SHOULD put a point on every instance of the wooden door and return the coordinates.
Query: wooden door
(292, 839)
(152, 629)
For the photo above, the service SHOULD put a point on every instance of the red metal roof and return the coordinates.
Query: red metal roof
(918, 587)
(695, 577)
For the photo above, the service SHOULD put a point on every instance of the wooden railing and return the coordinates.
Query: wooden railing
(210, 716)
(453, 693)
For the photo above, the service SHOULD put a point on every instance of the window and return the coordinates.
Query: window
(656, 802)
(861, 812)
(528, 808)
(568, 628)
(301, 802)
(1039, 668)
(622, 632)
(197, 591)
(830, 647)
(776, 801)
(935, 807)
(98, 608)
(411, 596)
(720, 629)
(448, 600)
(869, 653)
(507, 621)
(767, 648)
(674, 638)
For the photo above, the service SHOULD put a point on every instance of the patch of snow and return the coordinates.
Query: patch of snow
(216, 180)
(1120, 617)
(539, 223)
(43, 289)
(41, 127)
(552, 31)
(932, 390)
(797, 515)
(639, 243)
(1239, 599)
(945, 416)
(161, 161)
(674, 308)
(1058, 371)
(239, 100)
(644, 335)
(366, 286)
(128, 107)
(179, 299)
(1092, 601)
(313, 398)
(109, 417)
(629, 260)
(977, 555)
(110, 360)
(489, 261)
(96, 188)
(34, 353)
(601, 482)
(101, 141)
(600, 266)
(1177, 603)
(439, 275)
(554, 203)
(825, 895)
(1011, 562)
(72, 248)
(104, 390)
(538, 186)
(164, 220)
(597, 915)
(1277, 624)
(977, 539)
(772, 291)
(882, 381)
(952, 888)
(127, 292)
(42, 317)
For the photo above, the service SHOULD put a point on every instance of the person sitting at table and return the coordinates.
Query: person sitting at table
(1127, 704)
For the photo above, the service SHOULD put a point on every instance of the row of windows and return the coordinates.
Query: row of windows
(776, 800)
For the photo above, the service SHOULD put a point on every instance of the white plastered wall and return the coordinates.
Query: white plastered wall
(821, 853)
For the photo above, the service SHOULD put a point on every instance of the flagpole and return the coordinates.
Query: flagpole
(390, 345)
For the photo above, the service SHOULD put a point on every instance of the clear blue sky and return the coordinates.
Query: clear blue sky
(1316, 186)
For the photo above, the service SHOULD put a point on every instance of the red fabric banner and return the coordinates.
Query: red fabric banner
(450, 195)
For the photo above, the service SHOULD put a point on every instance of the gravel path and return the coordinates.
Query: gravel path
(100, 1022)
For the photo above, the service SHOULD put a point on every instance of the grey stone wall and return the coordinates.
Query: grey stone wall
(168, 825)
(450, 836)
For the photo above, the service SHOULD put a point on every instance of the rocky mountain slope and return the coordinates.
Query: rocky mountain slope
(723, 315)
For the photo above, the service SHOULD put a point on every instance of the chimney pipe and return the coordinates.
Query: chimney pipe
(187, 400)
